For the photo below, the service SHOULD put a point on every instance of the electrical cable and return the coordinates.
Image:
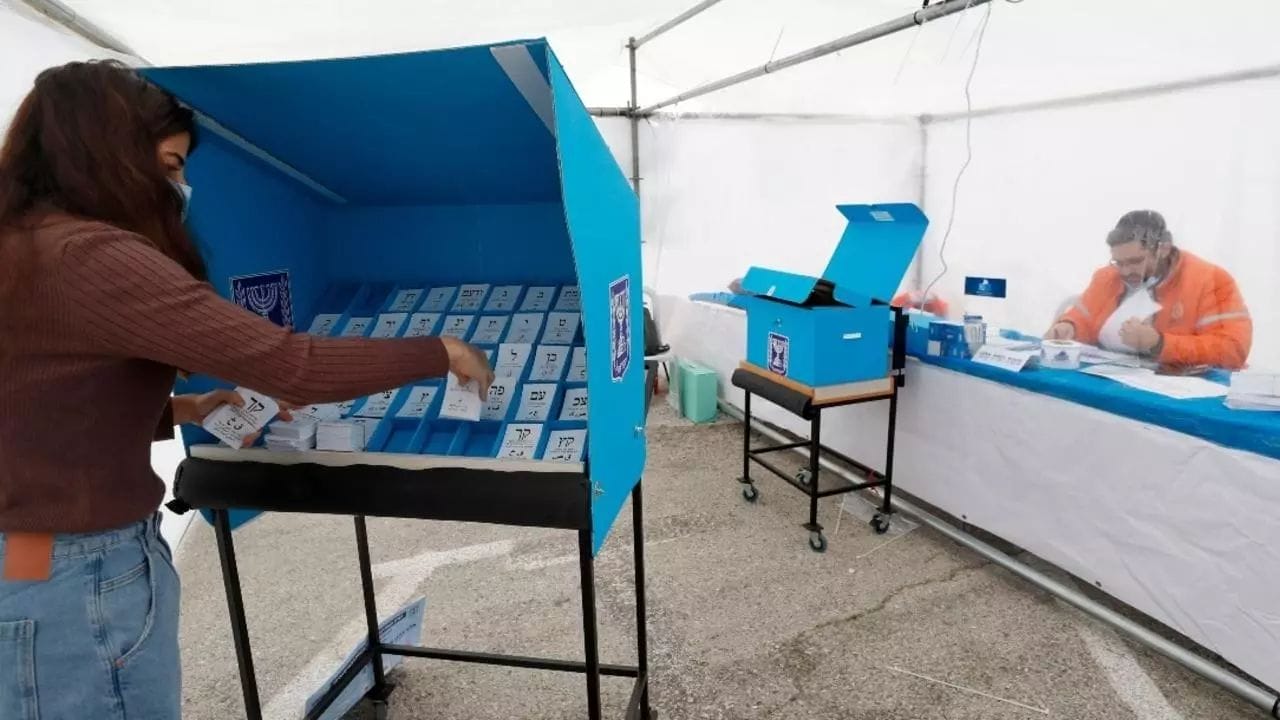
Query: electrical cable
(968, 142)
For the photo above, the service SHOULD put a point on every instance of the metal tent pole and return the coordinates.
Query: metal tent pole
(918, 17)
(72, 20)
(672, 23)
(635, 123)
(1251, 693)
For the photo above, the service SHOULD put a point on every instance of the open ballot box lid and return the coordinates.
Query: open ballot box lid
(467, 165)
(832, 333)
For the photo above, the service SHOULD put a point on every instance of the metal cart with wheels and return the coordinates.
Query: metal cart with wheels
(799, 401)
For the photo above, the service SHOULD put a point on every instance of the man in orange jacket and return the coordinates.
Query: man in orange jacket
(1201, 320)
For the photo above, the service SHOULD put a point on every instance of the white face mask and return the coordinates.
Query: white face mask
(184, 191)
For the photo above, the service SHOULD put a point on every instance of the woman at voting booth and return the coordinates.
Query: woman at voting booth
(102, 302)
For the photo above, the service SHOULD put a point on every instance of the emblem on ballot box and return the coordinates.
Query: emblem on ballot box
(779, 353)
(620, 332)
(265, 294)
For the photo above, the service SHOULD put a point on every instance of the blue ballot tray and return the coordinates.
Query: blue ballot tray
(389, 196)
(836, 329)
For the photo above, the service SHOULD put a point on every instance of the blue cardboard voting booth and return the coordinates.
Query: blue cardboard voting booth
(835, 330)
(460, 191)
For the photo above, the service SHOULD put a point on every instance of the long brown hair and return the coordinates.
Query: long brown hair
(84, 142)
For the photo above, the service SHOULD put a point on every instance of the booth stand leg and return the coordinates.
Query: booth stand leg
(590, 638)
(642, 622)
(381, 690)
(235, 604)
(817, 541)
(749, 491)
(880, 521)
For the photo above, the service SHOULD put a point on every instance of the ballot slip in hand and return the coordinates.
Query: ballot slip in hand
(565, 446)
(562, 327)
(570, 299)
(520, 441)
(388, 325)
(575, 404)
(422, 324)
(500, 393)
(232, 424)
(489, 329)
(377, 405)
(577, 366)
(535, 402)
(324, 323)
(538, 299)
(502, 299)
(419, 400)
(549, 362)
(461, 402)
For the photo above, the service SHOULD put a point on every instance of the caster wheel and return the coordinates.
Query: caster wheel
(804, 477)
(750, 493)
(817, 542)
(880, 523)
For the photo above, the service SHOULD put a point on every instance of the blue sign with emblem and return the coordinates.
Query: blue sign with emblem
(265, 294)
(620, 336)
(779, 353)
(985, 287)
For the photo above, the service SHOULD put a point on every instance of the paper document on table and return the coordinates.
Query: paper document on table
(1254, 390)
(1091, 355)
(1172, 386)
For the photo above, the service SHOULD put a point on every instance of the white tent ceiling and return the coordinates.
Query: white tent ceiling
(1033, 50)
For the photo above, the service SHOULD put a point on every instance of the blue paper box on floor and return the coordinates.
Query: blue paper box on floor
(463, 191)
(835, 330)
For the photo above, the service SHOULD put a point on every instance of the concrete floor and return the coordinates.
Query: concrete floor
(746, 622)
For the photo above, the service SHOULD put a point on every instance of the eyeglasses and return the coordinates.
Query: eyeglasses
(1130, 264)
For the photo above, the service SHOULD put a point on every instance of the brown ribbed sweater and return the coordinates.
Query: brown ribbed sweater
(91, 338)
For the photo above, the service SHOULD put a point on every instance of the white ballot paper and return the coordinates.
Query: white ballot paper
(575, 404)
(489, 330)
(520, 441)
(1139, 305)
(457, 326)
(500, 392)
(565, 445)
(403, 628)
(344, 407)
(512, 358)
(538, 299)
(320, 413)
(370, 426)
(548, 363)
(461, 402)
(389, 324)
(418, 402)
(1172, 386)
(535, 402)
(502, 299)
(323, 324)
(570, 299)
(340, 436)
(405, 300)
(525, 328)
(377, 405)
(561, 328)
(578, 366)
(356, 327)
(438, 299)
(232, 424)
(470, 298)
(422, 324)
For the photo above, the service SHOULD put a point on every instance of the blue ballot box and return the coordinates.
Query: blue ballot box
(835, 330)
(463, 191)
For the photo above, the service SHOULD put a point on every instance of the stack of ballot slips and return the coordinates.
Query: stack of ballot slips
(340, 436)
(1254, 390)
(294, 436)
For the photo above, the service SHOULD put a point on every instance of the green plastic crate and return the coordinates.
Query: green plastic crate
(699, 392)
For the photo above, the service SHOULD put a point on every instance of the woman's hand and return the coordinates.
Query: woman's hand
(195, 408)
(467, 362)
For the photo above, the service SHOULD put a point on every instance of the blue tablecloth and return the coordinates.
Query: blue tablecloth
(1209, 418)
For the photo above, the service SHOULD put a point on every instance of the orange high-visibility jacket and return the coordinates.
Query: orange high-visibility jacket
(1202, 317)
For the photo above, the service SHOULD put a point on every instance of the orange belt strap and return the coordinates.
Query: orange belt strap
(28, 557)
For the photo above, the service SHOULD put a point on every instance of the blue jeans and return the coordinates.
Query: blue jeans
(98, 640)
